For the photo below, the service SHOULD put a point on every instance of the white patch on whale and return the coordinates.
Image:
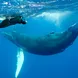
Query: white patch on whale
(2, 18)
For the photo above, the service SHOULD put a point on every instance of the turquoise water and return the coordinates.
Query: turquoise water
(43, 16)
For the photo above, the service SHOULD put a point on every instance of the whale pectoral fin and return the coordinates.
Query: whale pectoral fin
(20, 60)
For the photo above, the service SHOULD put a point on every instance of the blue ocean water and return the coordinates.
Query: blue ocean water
(43, 16)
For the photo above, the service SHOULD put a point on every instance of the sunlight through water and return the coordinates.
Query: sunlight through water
(54, 16)
(20, 60)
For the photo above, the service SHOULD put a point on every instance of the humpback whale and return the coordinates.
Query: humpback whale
(50, 44)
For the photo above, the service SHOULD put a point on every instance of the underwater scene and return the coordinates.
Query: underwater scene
(38, 39)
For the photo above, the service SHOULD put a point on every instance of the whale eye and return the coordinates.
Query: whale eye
(52, 32)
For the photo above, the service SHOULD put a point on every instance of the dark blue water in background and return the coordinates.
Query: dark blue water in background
(62, 65)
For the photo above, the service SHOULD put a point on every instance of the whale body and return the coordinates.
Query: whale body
(50, 44)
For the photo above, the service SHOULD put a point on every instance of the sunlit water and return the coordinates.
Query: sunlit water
(51, 10)
(29, 8)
